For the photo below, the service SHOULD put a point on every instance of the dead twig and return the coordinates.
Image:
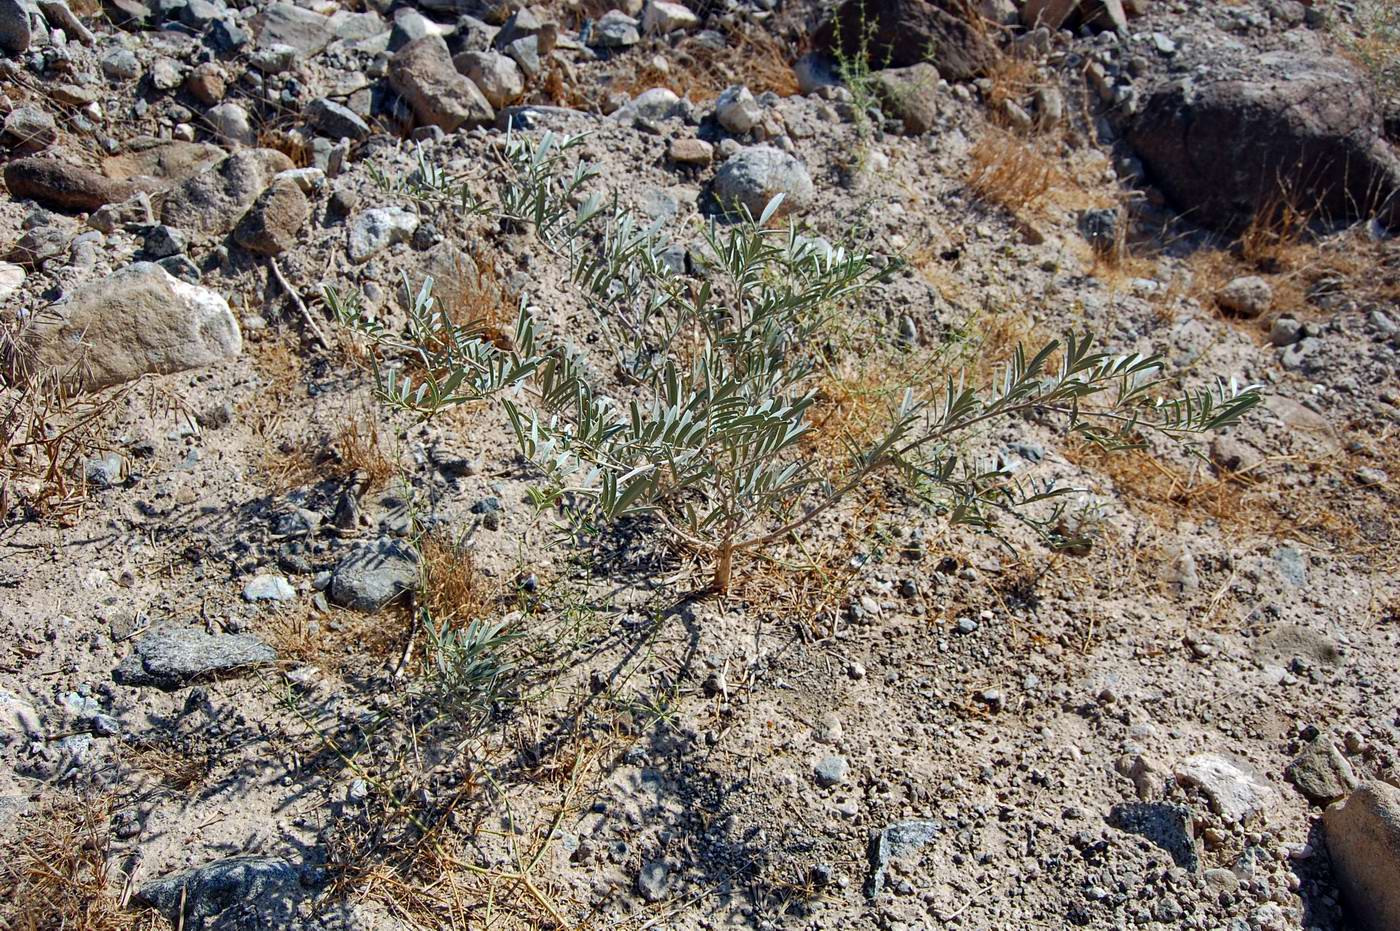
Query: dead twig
(301, 305)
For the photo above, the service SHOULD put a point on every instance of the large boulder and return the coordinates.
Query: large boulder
(423, 73)
(897, 33)
(1291, 125)
(1363, 838)
(138, 321)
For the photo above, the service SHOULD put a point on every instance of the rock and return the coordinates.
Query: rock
(335, 121)
(830, 770)
(1104, 14)
(658, 103)
(1221, 147)
(660, 17)
(137, 321)
(1289, 642)
(896, 841)
(737, 110)
(497, 76)
(653, 881)
(169, 657)
(1051, 14)
(15, 32)
(909, 95)
(1363, 839)
(268, 588)
(815, 71)
(422, 71)
(164, 162)
(206, 84)
(378, 229)
(526, 24)
(411, 25)
(121, 64)
(40, 245)
(282, 23)
(1248, 296)
(231, 124)
(11, 278)
(1321, 773)
(526, 55)
(1285, 331)
(166, 74)
(29, 129)
(690, 152)
(214, 200)
(237, 894)
(375, 575)
(899, 33)
(615, 29)
(1235, 792)
(271, 224)
(133, 213)
(18, 718)
(1166, 825)
(1102, 229)
(62, 186)
(755, 175)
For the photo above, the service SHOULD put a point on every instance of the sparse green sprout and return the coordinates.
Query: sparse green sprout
(703, 428)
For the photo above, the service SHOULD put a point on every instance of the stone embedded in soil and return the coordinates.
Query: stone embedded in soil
(288, 24)
(268, 588)
(896, 841)
(1321, 773)
(229, 895)
(737, 110)
(63, 186)
(660, 17)
(1363, 839)
(376, 230)
(213, 200)
(271, 224)
(1248, 296)
(1235, 792)
(335, 120)
(755, 175)
(615, 29)
(137, 321)
(30, 129)
(374, 575)
(910, 95)
(497, 76)
(898, 33)
(422, 71)
(169, 657)
(654, 881)
(1166, 825)
(830, 771)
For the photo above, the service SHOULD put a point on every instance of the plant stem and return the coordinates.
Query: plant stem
(724, 564)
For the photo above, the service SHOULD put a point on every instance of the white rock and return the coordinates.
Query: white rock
(496, 75)
(1236, 793)
(737, 110)
(660, 17)
(11, 277)
(231, 124)
(268, 588)
(378, 229)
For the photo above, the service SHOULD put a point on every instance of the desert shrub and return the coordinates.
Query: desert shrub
(703, 427)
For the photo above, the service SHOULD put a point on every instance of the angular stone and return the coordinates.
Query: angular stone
(378, 229)
(1321, 773)
(422, 71)
(1166, 825)
(284, 23)
(615, 29)
(214, 200)
(238, 894)
(690, 152)
(374, 575)
(29, 129)
(497, 76)
(1235, 792)
(737, 110)
(909, 95)
(1249, 296)
(271, 224)
(1363, 839)
(894, 842)
(660, 17)
(170, 657)
(162, 160)
(336, 121)
(137, 321)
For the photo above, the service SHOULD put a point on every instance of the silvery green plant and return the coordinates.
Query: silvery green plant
(702, 425)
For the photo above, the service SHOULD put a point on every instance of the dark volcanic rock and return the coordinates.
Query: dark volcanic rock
(899, 33)
(228, 895)
(1306, 127)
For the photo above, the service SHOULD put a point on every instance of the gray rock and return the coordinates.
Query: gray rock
(121, 64)
(660, 17)
(526, 54)
(1285, 331)
(338, 122)
(1363, 839)
(15, 33)
(231, 124)
(830, 770)
(422, 71)
(375, 575)
(896, 841)
(283, 23)
(1102, 229)
(658, 103)
(274, 59)
(909, 95)
(755, 175)
(497, 76)
(1321, 773)
(169, 657)
(815, 71)
(378, 229)
(654, 881)
(268, 588)
(105, 471)
(238, 894)
(1236, 793)
(1166, 825)
(615, 29)
(1249, 296)
(137, 321)
(215, 199)
(40, 245)
(737, 110)
(162, 241)
(271, 224)
(29, 129)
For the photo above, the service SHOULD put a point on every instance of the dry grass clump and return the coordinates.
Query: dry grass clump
(1011, 173)
(700, 73)
(1373, 42)
(453, 589)
(1013, 80)
(59, 874)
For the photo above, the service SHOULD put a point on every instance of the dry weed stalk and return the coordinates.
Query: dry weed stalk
(1010, 173)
